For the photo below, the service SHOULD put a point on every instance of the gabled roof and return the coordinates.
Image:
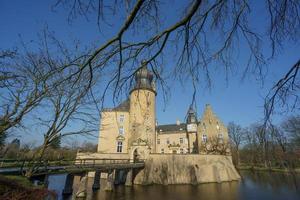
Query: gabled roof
(123, 107)
(209, 115)
(171, 128)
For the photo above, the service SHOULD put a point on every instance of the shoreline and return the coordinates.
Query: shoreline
(255, 168)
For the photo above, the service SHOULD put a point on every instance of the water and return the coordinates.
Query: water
(254, 185)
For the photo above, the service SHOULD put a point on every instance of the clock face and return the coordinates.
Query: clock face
(192, 128)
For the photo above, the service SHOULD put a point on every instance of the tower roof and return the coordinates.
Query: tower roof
(144, 78)
(191, 115)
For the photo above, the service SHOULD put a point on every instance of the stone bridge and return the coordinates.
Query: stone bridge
(81, 167)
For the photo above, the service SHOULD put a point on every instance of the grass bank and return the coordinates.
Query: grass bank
(18, 187)
(272, 169)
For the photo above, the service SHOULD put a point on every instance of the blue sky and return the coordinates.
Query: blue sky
(237, 101)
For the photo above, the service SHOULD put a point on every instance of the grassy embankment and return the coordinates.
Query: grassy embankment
(272, 169)
(18, 187)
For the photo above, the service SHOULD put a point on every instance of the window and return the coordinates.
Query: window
(158, 141)
(168, 141)
(181, 151)
(162, 151)
(204, 138)
(174, 152)
(121, 130)
(181, 140)
(220, 137)
(122, 118)
(119, 146)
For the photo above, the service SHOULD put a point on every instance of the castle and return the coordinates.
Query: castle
(133, 123)
(193, 152)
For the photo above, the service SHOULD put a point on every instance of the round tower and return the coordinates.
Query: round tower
(142, 110)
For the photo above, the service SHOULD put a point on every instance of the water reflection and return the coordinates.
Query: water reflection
(254, 185)
(269, 185)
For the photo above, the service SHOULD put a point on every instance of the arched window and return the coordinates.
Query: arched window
(119, 146)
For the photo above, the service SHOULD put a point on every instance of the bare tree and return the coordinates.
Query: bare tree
(205, 34)
(284, 95)
(263, 138)
(292, 127)
(66, 104)
(215, 145)
(251, 147)
(236, 135)
(22, 88)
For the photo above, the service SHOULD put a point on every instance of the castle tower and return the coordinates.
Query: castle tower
(191, 128)
(142, 110)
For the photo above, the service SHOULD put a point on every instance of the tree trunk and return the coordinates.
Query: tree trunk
(35, 165)
(237, 157)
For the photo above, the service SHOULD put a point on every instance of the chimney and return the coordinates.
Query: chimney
(177, 122)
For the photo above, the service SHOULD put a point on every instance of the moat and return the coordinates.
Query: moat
(254, 185)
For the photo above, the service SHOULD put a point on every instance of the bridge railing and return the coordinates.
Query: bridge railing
(23, 163)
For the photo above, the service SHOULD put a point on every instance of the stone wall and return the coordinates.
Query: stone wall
(186, 169)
